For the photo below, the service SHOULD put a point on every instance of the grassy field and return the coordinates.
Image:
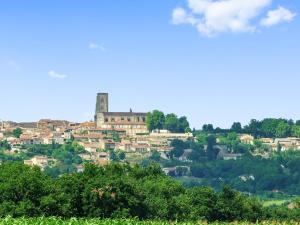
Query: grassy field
(274, 202)
(74, 221)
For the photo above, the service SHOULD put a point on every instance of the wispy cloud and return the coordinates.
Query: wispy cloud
(93, 46)
(277, 16)
(56, 75)
(13, 64)
(211, 17)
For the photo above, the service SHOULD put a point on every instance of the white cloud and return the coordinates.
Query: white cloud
(180, 16)
(93, 45)
(277, 16)
(54, 74)
(211, 17)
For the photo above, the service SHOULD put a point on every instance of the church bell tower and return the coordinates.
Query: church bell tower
(101, 104)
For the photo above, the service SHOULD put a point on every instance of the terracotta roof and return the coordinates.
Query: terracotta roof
(124, 114)
(107, 129)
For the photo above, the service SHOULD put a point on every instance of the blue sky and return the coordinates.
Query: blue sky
(178, 56)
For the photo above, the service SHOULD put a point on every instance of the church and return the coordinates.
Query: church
(132, 122)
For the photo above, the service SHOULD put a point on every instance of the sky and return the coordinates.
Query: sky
(214, 61)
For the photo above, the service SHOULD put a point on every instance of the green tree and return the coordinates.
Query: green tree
(171, 123)
(196, 155)
(4, 145)
(21, 190)
(296, 131)
(178, 147)
(209, 128)
(257, 143)
(17, 132)
(201, 138)
(283, 129)
(211, 151)
(236, 127)
(155, 156)
(254, 128)
(155, 120)
(122, 155)
(202, 202)
(116, 137)
(183, 125)
(113, 156)
(279, 147)
(269, 126)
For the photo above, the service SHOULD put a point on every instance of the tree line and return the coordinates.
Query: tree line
(269, 128)
(121, 191)
(157, 120)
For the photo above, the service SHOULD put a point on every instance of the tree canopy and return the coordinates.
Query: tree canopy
(158, 120)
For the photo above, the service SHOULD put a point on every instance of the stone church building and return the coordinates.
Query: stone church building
(132, 122)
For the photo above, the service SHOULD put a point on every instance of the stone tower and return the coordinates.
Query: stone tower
(101, 104)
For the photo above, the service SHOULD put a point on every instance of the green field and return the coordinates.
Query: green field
(275, 202)
(74, 221)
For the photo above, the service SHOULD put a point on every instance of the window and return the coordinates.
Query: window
(122, 119)
(112, 119)
(106, 119)
(144, 119)
(128, 119)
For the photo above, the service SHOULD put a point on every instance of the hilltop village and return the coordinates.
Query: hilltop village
(251, 158)
(121, 134)
(115, 132)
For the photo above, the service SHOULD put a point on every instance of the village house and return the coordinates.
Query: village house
(177, 170)
(13, 141)
(54, 138)
(246, 139)
(224, 155)
(125, 145)
(90, 146)
(85, 156)
(108, 132)
(101, 158)
(287, 143)
(140, 148)
(40, 161)
(52, 125)
(266, 140)
(108, 144)
(30, 140)
(161, 140)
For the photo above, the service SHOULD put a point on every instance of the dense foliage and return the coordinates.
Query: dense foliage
(123, 191)
(117, 191)
(158, 120)
(269, 127)
(65, 156)
(17, 132)
(4, 145)
(277, 174)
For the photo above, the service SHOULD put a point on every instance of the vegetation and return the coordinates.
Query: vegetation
(80, 221)
(66, 156)
(17, 132)
(250, 173)
(114, 191)
(123, 191)
(4, 145)
(269, 127)
(158, 120)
